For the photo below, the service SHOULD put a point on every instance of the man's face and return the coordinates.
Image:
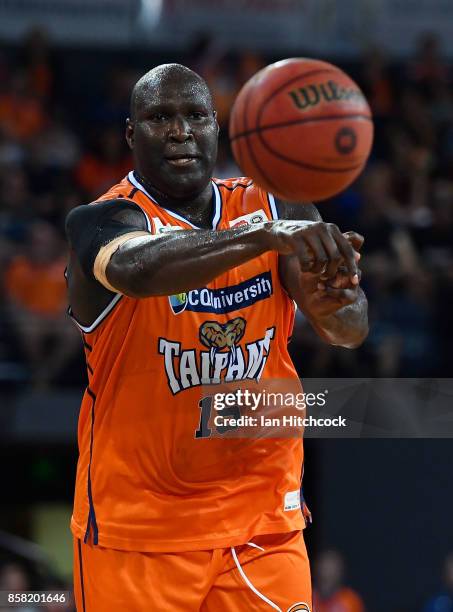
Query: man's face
(174, 137)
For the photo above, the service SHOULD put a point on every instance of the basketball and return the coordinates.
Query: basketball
(301, 129)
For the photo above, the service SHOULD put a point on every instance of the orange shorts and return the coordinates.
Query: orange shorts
(270, 573)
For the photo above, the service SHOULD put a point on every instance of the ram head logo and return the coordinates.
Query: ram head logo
(299, 607)
(217, 336)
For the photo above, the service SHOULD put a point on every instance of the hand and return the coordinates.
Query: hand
(342, 280)
(320, 247)
(326, 299)
(325, 295)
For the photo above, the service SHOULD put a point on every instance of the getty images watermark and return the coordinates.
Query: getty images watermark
(275, 403)
(327, 408)
(270, 408)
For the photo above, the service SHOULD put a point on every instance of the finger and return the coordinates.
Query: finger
(331, 247)
(341, 280)
(355, 239)
(347, 252)
(342, 272)
(305, 257)
(320, 258)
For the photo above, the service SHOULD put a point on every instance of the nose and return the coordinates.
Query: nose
(180, 130)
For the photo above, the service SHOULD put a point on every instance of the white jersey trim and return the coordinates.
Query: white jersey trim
(272, 206)
(89, 328)
(217, 203)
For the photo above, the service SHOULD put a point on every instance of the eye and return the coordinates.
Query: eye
(197, 115)
(158, 117)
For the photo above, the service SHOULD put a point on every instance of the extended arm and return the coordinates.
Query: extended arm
(335, 305)
(112, 251)
(182, 260)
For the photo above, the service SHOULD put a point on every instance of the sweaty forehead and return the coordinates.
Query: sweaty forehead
(167, 90)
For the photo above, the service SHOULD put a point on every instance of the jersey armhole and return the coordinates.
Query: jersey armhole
(87, 329)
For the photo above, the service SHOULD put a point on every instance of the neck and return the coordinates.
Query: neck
(196, 208)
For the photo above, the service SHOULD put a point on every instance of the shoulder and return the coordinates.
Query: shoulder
(96, 214)
(295, 211)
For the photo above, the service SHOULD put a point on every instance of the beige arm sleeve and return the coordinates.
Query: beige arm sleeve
(105, 254)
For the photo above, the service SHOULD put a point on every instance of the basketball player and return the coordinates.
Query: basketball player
(175, 280)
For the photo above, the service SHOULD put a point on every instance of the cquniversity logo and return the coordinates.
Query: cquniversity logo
(224, 299)
(178, 302)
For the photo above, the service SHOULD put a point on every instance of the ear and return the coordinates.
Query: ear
(130, 127)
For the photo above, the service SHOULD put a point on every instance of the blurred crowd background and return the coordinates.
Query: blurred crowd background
(62, 116)
(62, 144)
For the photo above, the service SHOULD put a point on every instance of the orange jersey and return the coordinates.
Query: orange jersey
(149, 476)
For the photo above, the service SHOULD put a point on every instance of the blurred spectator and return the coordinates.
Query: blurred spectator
(22, 113)
(330, 594)
(222, 81)
(15, 210)
(11, 151)
(377, 84)
(113, 109)
(429, 67)
(36, 60)
(14, 577)
(107, 164)
(36, 294)
(443, 601)
(22, 576)
(249, 63)
(56, 147)
(416, 118)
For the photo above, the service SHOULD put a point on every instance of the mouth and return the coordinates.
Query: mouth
(182, 160)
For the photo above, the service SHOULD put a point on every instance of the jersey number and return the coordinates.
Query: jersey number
(204, 431)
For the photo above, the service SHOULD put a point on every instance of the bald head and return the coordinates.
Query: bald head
(166, 76)
(173, 133)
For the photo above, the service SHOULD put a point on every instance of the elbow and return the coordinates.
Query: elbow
(129, 279)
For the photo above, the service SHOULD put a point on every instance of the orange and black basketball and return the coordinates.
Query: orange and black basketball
(302, 129)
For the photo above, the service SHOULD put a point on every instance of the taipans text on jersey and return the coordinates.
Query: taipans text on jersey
(226, 360)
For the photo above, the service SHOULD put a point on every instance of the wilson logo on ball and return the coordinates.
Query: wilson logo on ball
(306, 97)
(345, 140)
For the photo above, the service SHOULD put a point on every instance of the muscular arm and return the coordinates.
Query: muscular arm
(147, 265)
(107, 256)
(182, 260)
(339, 314)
